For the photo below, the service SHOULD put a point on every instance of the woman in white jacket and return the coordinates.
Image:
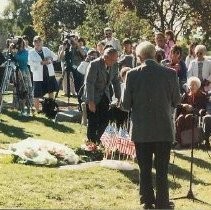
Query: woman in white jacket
(41, 64)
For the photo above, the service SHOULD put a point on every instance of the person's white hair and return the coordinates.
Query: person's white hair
(200, 48)
(107, 29)
(194, 79)
(145, 49)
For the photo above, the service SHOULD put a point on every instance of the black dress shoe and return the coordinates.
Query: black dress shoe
(207, 145)
(169, 206)
(148, 206)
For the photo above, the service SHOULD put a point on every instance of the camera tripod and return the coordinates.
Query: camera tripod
(190, 194)
(12, 72)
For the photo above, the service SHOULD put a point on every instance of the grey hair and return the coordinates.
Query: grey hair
(109, 51)
(194, 79)
(146, 49)
(200, 47)
(107, 29)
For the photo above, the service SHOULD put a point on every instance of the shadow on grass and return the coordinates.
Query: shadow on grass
(55, 126)
(196, 161)
(134, 177)
(180, 173)
(44, 121)
(12, 131)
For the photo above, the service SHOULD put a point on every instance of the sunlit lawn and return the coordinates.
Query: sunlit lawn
(28, 187)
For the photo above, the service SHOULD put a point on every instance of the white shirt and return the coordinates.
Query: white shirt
(206, 70)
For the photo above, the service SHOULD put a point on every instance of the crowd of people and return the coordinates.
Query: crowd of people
(145, 81)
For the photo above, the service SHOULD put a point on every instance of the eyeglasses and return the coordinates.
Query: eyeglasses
(107, 34)
(199, 53)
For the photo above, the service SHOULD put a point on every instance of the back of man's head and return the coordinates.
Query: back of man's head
(145, 50)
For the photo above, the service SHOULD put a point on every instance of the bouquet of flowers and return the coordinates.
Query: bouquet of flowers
(90, 152)
(42, 152)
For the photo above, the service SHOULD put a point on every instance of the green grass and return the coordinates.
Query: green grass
(24, 186)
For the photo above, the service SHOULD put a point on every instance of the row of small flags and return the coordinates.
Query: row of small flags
(118, 140)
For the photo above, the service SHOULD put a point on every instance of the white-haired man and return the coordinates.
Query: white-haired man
(97, 81)
(200, 67)
(151, 91)
(110, 40)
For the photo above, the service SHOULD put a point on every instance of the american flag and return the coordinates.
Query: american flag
(109, 136)
(124, 144)
(120, 140)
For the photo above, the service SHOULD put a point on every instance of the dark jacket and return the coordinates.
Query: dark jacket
(97, 81)
(198, 102)
(151, 92)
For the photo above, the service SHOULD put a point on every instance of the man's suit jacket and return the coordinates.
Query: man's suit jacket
(150, 93)
(98, 80)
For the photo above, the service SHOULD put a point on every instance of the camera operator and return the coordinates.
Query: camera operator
(72, 54)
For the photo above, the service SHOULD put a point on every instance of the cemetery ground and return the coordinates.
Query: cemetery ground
(29, 186)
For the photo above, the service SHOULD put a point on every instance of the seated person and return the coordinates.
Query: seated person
(192, 105)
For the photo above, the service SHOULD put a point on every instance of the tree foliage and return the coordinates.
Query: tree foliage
(202, 18)
(30, 32)
(162, 14)
(93, 25)
(49, 15)
(126, 23)
(18, 11)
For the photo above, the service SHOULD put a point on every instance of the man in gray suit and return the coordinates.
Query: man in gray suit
(150, 93)
(100, 75)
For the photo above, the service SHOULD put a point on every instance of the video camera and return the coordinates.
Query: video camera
(15, 43)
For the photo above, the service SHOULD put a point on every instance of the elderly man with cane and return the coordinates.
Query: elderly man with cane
(150, 93)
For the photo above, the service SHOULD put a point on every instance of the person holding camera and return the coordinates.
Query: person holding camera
(41, 63)
(71, 54)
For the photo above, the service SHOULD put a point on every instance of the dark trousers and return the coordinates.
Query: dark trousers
(207, 127)
(98, 121)
(144, 153)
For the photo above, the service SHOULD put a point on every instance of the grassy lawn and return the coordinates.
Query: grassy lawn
(23, 186)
